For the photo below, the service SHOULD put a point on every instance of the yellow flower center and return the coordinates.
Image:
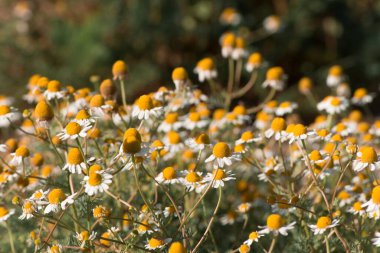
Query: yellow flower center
(323, 222)
(177, 247)
(299, 129)
(228, 40)
(206, 64)
(131, 145)
(219, 114)
(179, 74)
(155, 243)
(174, 137)
(305, 84)
(246, 136)
(275, 73)
(158, 144)
(369, 155)
(56, 196)
(239, 148)
(278, 124)
(285, 104)
(336, 70)
(360, 93)
(244, 248)
(37, 195)
(194, 116)
(119, 69)
(82, 114)
(3, 211)
(315, 155)
(94, 168)
(28, 207)
(343, 195)
(94, 179)
(335, 101)
(55, 249)
(74, 156)
(193, 177)
(169, 173)
(357, 206)
(171, 118)
(219, 174)
(132, 132)
(22, 152)
(202, 139)
(322, 133)
(253, 235)
(240, 110)
(274, 221)
(221, 149)
(376, 195)
(97, 101)
(54, 86)
(255, 59)
(43, 111)
(145, 102)
(85, 235)
(101, 211)
(4, 109)
(73, 128)
(107, 88)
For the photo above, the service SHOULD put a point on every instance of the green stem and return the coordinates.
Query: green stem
(10, 237)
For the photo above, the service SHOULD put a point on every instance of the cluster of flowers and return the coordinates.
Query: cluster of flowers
(119, 177)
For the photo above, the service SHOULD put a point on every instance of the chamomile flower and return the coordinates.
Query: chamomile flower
(156, 243)
(85, 236)
(275, 78)
(96, 182)
(206, 70)
(376, 239)
(168, 176)
(170, 123)
(299, 132)
(27, 210)
(375, 128)
(366, 158)
(55, 248)
(357, 208)
(55, 198)
(173, 141)
(75, 161)
(275, 224)
(229, 218)
(198, 143)
(244, 248)
(255, 61)
(83, 118)
(222, 155)
(239, 50)
(333, 105)
(119, 70)
(244, 207)
(362, 97)
(194, 120)
(218, 177)
(74, 130)
(19, 156)
(5, 213)
(253, 237)
(54, 91)
(272, 23)
(228, 44)
(373, 205)
(323, 223)
(98, 106)
(145, 109)
(43, 114)
(335, 76)
(180, 78)
(247, 137)
(193, 181)
(230, 16)
(286, 107)
(177, 247)
(7, 115)
(277, 127)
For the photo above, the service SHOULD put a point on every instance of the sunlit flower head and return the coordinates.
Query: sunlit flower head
(362, 97)
(276, 225)
(75, 161)
(97, 182)
(335, 76)
(218, 177)
(323, 223)
(119, 70)
(278, 125)
(230, 16)
(54, 91)
(255, 61)
(222, 155)
(55, 198)
(74, 130)
(169, 175)
(180, 78)
(8, 115)
(366, 158)
(272, 23)
(275, 78)
(145, 109)
(253, 237)
(333, 105)
(5, 213)
(206, 69)
(373, 205)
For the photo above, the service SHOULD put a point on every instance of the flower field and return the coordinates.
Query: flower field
(195, 165)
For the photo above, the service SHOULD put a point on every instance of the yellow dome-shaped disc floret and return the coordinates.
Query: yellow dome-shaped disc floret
(22, 152)
(97, 101)
(169, 173)
(73, 128)
(278, 124)
(75, 156)
(323, 222)
(255, 58)
(274, 221)
(376, 195)
(179, 73)
(193, 177)
(119, 70)
(54, 86)
(56, 196)
(275, 73)
(94, 179)
(4, 109)
(173, 137)
(368, 154)
(43, 111)
(299, 129)
(336, 70)
(107, 88)
(155, 243)
(202, 139)
(3, 211)
(221, 149)
(177, 247)
(131, 145)
(219, 174)
(145, 102)
(206, 64)
(132, 132)
(82, 114)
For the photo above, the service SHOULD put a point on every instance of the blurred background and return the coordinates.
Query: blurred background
(71, 40)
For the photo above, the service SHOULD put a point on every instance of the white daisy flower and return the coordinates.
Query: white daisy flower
(357, 209)
(8, 115)
(73, 131)
(253, 237)
(5, 213)
(19, 156)
(366, 158)
(75, 161)
(96, 182)
(275, 224)
(218, 177)
(373, 205)
(277, 129)
(323, 223)
(275, 78)
(193, 181)
(286, 107)
(156, 243)
(56, 248)
(55, 198)
(206, 70)
(362, 97)
(168, 176)
(222, 156)
(27, 210)
(201, 142)
(144, 108)
(333, 105)
(335, 76)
